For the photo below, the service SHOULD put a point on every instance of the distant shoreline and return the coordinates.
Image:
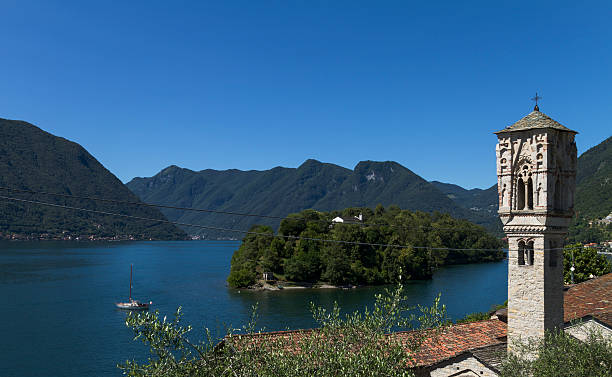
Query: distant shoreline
(103, 239)
(281, 286)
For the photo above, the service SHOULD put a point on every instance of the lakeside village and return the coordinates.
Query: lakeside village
(67, 236)
(603, 246)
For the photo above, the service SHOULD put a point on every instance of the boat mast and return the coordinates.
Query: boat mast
(130, 282)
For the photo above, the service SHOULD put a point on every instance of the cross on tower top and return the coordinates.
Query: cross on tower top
(536, 99)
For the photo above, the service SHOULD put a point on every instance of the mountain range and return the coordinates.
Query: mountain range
(32, 159)
(317, 185)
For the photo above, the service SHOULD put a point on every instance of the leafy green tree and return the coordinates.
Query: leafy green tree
(586, 262)
(292, 226)
(357, 344)
(303, 267)
(241, 278)
(561, 355)
(272, 256)
(338, 267)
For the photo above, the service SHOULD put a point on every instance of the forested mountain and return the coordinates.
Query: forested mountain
(32, 159)
(593, 194)
(326, 187)
(594, 181)
(281, 191)
(476, 199)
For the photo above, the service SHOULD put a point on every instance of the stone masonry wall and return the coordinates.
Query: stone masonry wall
(535, 292)
(469, 366)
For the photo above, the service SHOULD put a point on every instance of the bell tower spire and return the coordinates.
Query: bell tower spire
(536, 170)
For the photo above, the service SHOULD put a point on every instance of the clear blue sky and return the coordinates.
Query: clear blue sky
(258, 84)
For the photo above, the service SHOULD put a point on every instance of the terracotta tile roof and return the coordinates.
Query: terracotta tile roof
(535, 119)
(456, 339)
(592, 297)
(290, 339)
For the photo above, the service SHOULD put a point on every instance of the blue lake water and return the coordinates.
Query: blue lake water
(58, 318)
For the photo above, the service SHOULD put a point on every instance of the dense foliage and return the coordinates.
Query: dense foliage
(587, 230)
(587, 263)
(480, 316)
(594, 182)
(309, 260)
(561, 355)
(32, 159)
(354, 345)
(281, 191)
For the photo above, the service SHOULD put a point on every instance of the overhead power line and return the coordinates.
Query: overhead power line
(272, 235)
(202, 210)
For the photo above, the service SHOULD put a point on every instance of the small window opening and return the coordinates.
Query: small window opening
(530, 253)
(520, 194)
(521, 253)
(530, 193)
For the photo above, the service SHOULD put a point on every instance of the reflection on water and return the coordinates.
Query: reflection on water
(59, 297)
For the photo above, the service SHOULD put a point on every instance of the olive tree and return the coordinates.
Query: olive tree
(355, 344)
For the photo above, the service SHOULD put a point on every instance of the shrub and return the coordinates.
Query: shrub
(561, 355)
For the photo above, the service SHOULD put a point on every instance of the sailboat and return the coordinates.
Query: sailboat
(133, 304)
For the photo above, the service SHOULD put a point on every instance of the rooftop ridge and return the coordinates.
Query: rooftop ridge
(535, 120)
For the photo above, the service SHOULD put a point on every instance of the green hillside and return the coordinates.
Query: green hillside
(481, 202)
(593, 194)
(281, 191)
(594, 181)
(32, 159)
(474, 199)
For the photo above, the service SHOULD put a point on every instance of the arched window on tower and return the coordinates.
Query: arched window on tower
(530, 253)
(529, 193)
(558, 196)
(520, 194)
(521, 253)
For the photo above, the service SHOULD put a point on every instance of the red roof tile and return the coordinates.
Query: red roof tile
(592, 297)
(455, 339)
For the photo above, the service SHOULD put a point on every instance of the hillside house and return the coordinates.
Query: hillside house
(348, 220)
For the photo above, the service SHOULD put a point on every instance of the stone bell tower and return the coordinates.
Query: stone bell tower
(536, 170)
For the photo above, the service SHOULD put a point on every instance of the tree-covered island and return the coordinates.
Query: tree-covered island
(297, 257)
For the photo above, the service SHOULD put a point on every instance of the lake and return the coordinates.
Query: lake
(58, 316)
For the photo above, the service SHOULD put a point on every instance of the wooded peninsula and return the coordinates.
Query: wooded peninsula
(380, 245)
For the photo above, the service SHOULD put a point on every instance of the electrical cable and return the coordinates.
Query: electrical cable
(226, 212)
(240, 231)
